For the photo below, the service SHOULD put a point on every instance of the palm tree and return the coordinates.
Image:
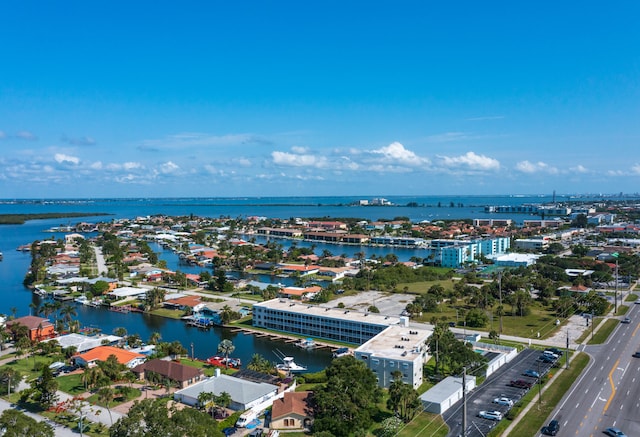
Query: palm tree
(226, 313)
(106, 395)
(226, 347)
(155, 337)
(224, 399)
(68, 312)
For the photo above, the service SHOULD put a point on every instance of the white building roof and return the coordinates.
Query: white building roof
(127, 291)
(241, 391)
(397, 342)
(84, 343)
(328, 312)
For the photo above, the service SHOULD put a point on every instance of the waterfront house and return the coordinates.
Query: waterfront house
(307, 293)
(102, 353)
(39, 328)
(83, 343)
(183, 376)
(294, 411)
(244, 394)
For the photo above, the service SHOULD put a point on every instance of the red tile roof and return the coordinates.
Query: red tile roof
(292, 403)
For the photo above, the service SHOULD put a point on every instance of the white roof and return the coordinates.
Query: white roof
(84, 343)
(127, 291)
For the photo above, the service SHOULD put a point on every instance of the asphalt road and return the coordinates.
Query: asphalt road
(608, 392)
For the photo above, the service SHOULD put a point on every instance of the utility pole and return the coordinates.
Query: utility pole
(615, 307)
(464, 402)
(500, 296)
(539, 386)
(566, 353)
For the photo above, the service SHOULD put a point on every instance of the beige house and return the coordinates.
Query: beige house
(293, 411)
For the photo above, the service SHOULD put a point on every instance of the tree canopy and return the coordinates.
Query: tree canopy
(153, 417)
(348, 401)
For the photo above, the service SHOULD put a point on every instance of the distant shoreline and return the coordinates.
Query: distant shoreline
(20, 219)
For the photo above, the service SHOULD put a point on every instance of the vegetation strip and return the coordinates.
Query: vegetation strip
(19, 219)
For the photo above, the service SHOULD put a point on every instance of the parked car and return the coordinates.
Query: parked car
(503, 401)
(636, 354)
(229, 431)
(531, 373)
(520, 383)
(555, 350)
(491, 415)
(551, 355)
(552, 428)
(546, 359)
(614, 432)
(626, 320)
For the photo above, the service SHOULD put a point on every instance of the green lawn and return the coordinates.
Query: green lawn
(531, 423)
(208, 369)
(631, 297)
(26, 365)
(425, 425)
(422, 287)
(622, 310)
(71, 384)
(540, 320)
(121, 396)
(604, 332)
(166, 312)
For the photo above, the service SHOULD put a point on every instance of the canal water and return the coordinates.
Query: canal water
(16, 299)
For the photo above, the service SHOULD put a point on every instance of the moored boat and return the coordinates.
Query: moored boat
(290, 366)
(219, 361)
(306, 343)
(341, 352)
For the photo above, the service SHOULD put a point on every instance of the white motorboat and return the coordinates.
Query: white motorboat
(289, 365)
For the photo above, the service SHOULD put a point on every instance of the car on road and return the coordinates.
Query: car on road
(636, 354)
(503, 401)
(531, 373)
(614, 432)
(490, 415)
(552, 428)
(520, 383)
(626, 320)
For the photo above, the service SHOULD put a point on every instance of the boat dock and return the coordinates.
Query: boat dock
(318, 344)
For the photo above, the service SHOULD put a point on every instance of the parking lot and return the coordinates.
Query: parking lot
(496, 386)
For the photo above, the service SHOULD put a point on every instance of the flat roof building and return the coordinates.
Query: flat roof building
(322, 322)
(396, 349)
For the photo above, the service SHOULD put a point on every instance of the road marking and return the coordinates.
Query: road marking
(635, 330)
(613, 387)
(602, 399)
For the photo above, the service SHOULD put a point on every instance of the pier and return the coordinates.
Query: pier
(286, 338)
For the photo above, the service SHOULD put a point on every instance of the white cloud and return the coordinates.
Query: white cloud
(472, 161)
(538, 167)
(62, 158)
(299, 149)
(169, 168)
(96, 165)
(396, 153)
(298, 160)
(131, 165)
(579, 169)
(636, 169)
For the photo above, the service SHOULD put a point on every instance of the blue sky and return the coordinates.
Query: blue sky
(292, 98)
